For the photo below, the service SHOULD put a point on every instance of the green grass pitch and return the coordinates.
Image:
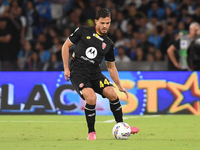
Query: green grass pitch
(60, 132)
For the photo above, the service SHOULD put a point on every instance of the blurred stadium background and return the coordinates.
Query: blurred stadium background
(33, 31)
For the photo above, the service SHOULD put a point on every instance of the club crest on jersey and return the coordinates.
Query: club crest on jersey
(97, 36)
(103, 45)
(81, 85)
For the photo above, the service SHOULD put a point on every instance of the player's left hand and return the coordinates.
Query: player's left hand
(122, 89)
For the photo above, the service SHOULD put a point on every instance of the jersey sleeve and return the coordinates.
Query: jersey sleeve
(76, 35)
(177, 44)
(110, 55)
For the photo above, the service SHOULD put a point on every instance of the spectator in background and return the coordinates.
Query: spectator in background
(89, 11)
(42, 38)
(144, 43)
(33, 21)
(172, 4)
(121, 57)
(181, 26)
(53, 64)
(3, 8)
(73, 21)
(150, 57)
(151, 49)
(24, 54)
(188, 21)
(133, 12)
(183, 13)
(120, 41)
(121, 22)
(101, 3)
(152, 23)
(112, 32)
(44, 9)
(191, 6)
(34, 63)
(78, 11)
(109, 4)
(167, 39)
(44, 55)
(136, 35)
(196, 16)
(158, 55)
(155, 9)
(66, 34)
(129, 32)
(16, 12)
(142, 25)
(173, 20)
(114, 14)
(168, 13)
(56, 48)
(139, 55)
(5, 38)
(156, 38)
(144, 7)
(133, 48)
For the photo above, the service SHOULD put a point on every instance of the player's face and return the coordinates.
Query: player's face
(103, 24)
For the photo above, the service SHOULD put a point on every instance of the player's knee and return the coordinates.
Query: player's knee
(91, 99)
(112, 96)
(110, 93)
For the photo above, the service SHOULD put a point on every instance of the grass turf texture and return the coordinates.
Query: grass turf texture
(46, 132)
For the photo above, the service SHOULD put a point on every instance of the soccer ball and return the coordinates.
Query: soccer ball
(121, 131)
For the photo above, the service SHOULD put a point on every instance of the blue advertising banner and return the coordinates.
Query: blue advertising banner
(156, 92)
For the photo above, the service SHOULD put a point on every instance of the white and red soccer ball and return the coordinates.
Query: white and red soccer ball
(121, 131)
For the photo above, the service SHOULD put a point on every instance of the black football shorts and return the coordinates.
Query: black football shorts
(80, 81)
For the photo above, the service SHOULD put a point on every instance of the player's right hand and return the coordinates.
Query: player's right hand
(67, 75)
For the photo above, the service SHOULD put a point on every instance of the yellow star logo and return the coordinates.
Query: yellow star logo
(176, 89)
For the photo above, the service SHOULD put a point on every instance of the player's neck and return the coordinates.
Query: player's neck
(99, 32)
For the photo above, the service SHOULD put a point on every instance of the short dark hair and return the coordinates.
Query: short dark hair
(102, 13)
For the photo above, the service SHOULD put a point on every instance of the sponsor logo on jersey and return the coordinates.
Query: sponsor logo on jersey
(87, 59)
(184, 44)
(91, 52)
(97, 36)
(103, 45)
(88, 37)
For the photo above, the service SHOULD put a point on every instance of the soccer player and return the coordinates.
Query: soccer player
(91, 46)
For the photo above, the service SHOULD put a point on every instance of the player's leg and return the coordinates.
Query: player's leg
(83, 88)
(90, 111)
(115, 106)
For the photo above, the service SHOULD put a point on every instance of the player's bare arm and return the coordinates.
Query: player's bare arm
(171, 55)
(65, 57)
(115, 77)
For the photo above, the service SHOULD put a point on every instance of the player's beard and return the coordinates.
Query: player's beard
(105, 31)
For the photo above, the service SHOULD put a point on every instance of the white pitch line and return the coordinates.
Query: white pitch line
(107, 121)
(147, 116)
(31, 121)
